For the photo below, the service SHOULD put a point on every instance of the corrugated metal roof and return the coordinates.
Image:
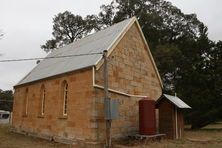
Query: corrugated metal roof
(175, 100)
(94, 43)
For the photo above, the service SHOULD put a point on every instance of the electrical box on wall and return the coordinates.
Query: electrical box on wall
(111, 109)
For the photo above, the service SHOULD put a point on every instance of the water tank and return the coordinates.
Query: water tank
(147, 117)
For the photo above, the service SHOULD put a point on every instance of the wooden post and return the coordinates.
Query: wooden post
(106, 98)
(176, 122)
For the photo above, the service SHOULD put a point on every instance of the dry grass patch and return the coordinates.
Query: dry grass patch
(13, 140)
(208, 137)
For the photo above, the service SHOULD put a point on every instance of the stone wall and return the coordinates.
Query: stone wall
(75, 126)
(130, 71)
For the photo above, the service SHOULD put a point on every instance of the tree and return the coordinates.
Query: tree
(164, 22)
(67, 28)
(208, 108)
(187, 60)
(6, 100)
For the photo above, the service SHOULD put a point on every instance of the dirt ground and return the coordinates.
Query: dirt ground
(208, 137)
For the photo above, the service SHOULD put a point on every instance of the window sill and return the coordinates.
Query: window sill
(63, 117)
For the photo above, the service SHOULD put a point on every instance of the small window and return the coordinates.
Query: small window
(26, 99)
(65, 97)
(43, 94)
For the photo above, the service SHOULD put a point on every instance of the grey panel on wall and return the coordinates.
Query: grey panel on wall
(111, 109)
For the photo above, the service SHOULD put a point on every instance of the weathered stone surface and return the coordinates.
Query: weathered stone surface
(76, 124)
(130, 71)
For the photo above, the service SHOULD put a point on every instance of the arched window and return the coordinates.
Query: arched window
(65, 97)
(43, 94)
(26, 99)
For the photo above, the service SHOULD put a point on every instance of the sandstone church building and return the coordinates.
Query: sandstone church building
(62, 98)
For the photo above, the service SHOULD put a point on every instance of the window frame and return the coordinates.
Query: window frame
(26, 100)
(65, 98)
(43, 97)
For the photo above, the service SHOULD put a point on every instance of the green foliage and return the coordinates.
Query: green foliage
(164, 22)
(168, 57)
(208, 108)
(67, 28)
(6, 100)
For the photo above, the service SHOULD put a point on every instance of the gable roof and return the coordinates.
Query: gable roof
(175, 100)
(98, 42)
